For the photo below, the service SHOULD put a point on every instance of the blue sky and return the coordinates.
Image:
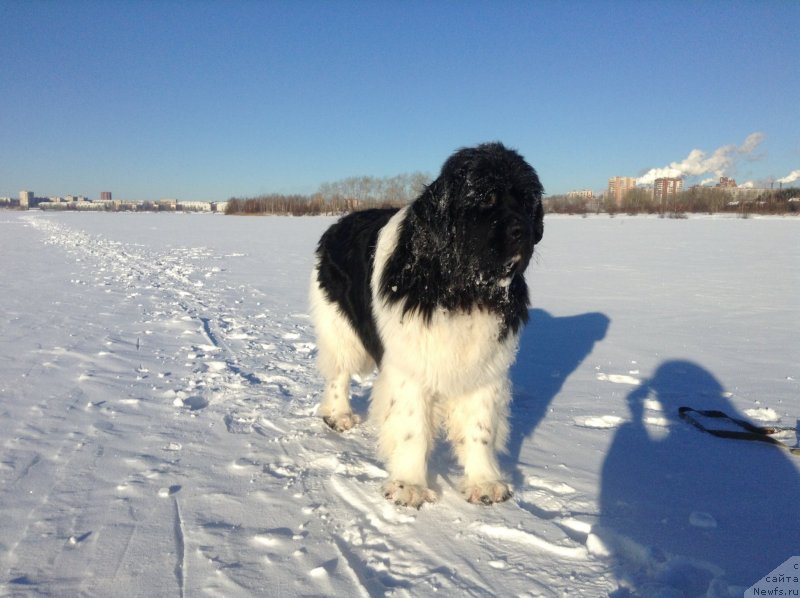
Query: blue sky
(209, 99)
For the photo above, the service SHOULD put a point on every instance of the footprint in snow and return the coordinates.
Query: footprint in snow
(245, 465)
(170, 491)
(239, 424)
(193, 403)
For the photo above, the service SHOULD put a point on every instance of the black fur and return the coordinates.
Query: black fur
(346, 255)
(455, 250)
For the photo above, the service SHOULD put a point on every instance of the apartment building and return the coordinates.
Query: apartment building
(665, 188)
(618, 187)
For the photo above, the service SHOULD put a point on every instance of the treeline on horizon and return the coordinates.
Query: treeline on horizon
(696, 200)
(361, 193)
(339, 197)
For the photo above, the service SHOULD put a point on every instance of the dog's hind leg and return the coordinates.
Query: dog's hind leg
(340, 355)
(335, 408)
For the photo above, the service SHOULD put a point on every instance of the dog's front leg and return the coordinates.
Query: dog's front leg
(403, 414)
(477, 427)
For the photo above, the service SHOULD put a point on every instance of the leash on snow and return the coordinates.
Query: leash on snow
(757, 433)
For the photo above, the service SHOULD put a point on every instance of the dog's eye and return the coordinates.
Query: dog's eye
(489, 201)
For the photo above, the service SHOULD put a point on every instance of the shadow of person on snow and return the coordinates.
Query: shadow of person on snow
(683, 510)
(551, 348)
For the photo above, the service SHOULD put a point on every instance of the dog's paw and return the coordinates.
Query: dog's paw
(487, 493)
(408, 495)
(341, 422)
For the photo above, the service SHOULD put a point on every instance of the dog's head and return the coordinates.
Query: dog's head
(489, 201)
(467, 240)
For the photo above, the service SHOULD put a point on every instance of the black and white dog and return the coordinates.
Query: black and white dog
(434, 295)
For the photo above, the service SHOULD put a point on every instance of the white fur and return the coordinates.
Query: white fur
(341, 355)
(450, 374)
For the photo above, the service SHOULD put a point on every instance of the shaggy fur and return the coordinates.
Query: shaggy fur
(434, 295)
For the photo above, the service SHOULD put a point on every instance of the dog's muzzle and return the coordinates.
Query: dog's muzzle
(510, 267)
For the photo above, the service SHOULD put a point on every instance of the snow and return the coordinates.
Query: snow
(159, 437)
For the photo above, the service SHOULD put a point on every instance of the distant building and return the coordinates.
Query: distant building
(665, 188)
(54, 205)
(168, 205)
(618, 187)
(587, 194)
(88, 206)
(194, 206)
(25, 199)
(105, 196)
(726, 182)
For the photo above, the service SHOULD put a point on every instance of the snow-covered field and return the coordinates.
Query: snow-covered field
(158, 436)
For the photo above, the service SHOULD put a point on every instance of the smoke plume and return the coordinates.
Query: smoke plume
(721, 162)
(791, 177)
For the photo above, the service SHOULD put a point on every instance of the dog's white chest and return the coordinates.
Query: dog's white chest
(454, 352)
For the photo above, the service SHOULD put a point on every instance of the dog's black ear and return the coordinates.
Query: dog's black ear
(433, 205)
(456, 172)
(430, 215)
